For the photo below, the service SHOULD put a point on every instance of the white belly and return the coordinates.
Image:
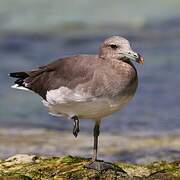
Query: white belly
(94, 108)
(67, 102)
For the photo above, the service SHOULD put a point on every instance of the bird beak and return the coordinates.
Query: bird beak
(134, 56)
(140, 59)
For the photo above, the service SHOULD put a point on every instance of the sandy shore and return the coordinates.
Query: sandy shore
(113, 147)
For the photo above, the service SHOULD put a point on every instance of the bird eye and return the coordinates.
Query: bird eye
(113, 46)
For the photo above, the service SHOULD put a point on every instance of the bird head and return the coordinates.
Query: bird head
(117, 47)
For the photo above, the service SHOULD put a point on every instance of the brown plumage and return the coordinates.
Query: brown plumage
(86, 86)
(82, 69)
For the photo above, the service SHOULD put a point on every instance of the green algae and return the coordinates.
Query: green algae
(166, 167)
(15, 177)
(71, 159)
(70, 167)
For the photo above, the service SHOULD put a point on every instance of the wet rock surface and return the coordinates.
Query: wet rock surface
(69, 167)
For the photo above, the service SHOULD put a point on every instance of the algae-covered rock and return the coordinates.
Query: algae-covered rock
(27, 167)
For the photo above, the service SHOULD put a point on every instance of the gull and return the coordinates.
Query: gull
(86, 86)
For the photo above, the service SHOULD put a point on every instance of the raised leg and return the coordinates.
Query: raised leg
(76, 128)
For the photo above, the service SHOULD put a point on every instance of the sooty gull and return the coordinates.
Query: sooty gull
(86, 86)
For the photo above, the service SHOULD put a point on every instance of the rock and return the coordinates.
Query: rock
(20, 159)
(137, 171)
(27, 167)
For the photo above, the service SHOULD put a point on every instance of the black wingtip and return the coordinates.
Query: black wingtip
(18, 75)
(11, 75)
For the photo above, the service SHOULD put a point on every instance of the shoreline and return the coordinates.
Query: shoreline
(134, 148)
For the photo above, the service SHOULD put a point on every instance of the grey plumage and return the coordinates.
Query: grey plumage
(102, 75)
(86, 86)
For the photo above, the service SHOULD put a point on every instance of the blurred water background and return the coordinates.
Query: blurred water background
(32, 33)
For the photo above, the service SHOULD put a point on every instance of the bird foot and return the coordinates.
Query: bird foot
(100, 165)
(76, 128)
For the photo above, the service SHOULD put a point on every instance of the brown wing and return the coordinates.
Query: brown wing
(66, 72)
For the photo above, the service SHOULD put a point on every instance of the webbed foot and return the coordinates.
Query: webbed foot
(100, 165)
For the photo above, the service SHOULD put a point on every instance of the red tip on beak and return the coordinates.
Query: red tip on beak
(140, 59)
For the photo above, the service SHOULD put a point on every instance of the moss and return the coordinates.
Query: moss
(70, 167)
(135, 170)
(165, 167)
(71, 159)
(15, 177)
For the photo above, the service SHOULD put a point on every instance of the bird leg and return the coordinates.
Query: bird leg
(96, 135)
(76, 128)
(96, 164)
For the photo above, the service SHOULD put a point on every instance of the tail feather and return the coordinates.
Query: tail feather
(21, 75)
(27, 80)
(19, 83)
